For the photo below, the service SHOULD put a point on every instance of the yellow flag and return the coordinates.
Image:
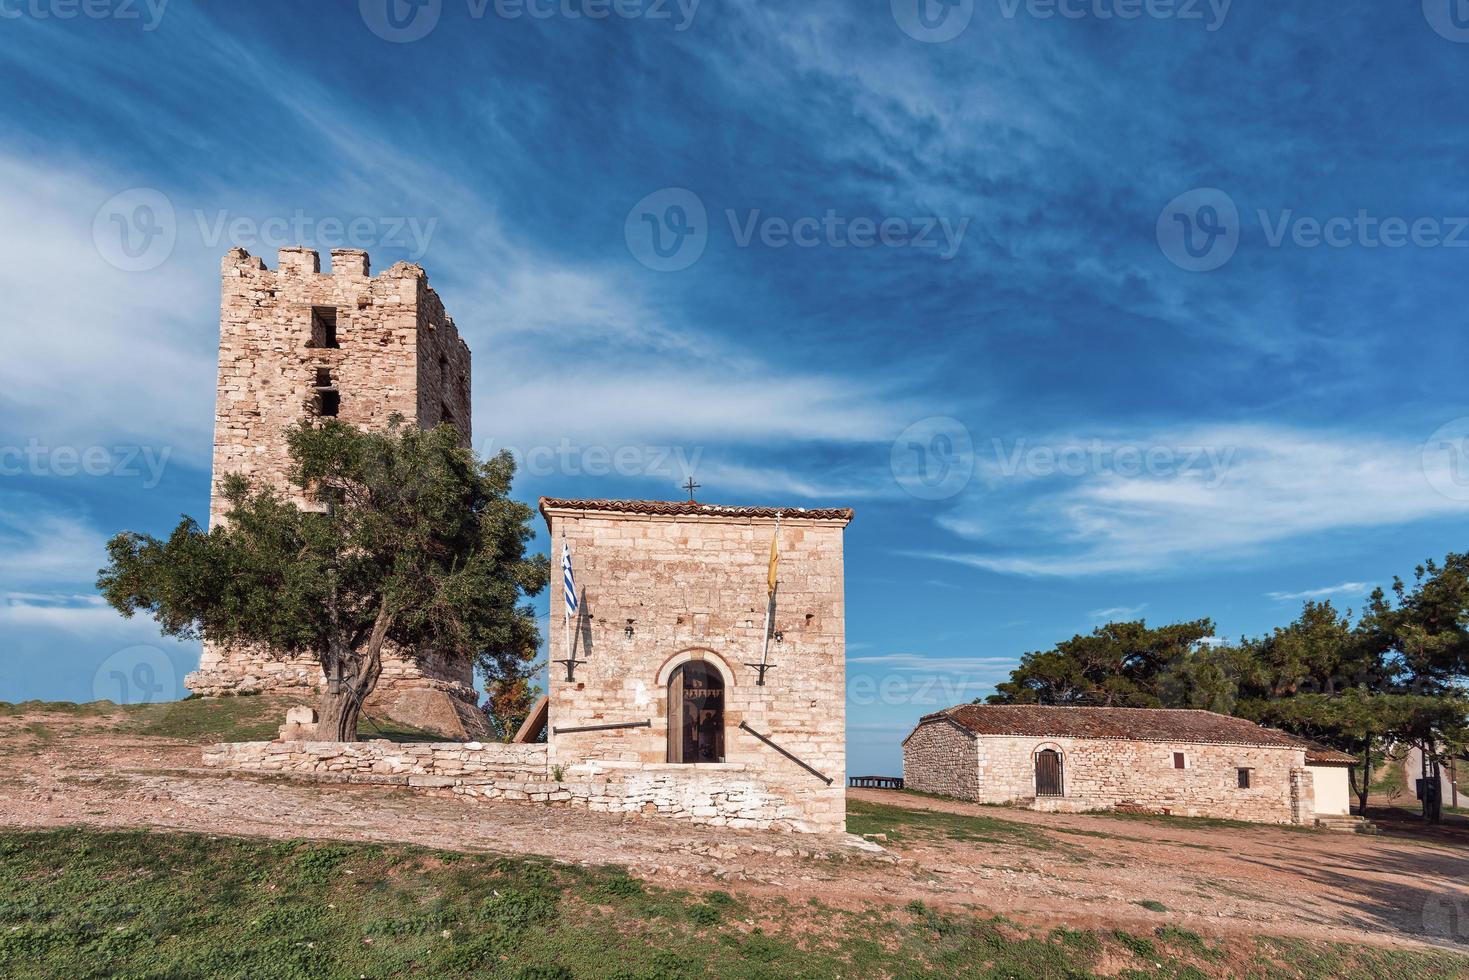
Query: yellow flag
(770, 579)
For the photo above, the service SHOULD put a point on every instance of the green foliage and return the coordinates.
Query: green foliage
(1118, 665)
(410, 539)
(101, 904)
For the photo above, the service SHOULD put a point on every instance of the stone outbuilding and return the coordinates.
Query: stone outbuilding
(1155, 760)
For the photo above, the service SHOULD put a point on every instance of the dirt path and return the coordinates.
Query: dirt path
(1081, 871)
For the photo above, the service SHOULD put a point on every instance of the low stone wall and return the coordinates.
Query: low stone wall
(730, 795)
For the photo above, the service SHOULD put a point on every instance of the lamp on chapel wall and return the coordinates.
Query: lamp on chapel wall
(780, 636)
(627, 630)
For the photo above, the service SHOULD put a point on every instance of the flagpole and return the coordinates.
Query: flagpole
(769, 610)
(565, 603)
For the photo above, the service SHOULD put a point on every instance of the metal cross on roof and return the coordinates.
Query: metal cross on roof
(691, 486)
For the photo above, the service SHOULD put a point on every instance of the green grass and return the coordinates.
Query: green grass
(900, 824)
(196, 720)
(86, 904)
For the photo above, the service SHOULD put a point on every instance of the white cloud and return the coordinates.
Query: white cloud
(1279, 484)
(1355, 588)
(1118, 612)
(40, 546)
(923, 662)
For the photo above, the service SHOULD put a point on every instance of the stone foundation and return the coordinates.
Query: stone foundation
(729, 795)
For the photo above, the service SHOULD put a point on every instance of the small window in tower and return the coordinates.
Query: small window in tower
(324, 326)
(328, 398)
(446, 417)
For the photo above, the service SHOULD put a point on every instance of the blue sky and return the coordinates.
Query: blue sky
(1088, 316)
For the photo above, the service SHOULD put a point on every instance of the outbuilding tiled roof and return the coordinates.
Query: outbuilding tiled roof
(1320, 755)
(1128, 724)
(692, 508)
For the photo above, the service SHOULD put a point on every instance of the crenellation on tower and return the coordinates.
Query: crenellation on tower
(297, 343)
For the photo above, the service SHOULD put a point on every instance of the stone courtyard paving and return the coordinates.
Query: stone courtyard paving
(1083, 871)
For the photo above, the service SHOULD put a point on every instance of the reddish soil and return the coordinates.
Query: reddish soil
(1404, 888)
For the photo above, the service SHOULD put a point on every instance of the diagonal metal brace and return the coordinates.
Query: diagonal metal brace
(815, 772)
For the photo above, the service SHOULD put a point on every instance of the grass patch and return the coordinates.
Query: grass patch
(1152, 905)
(86, 904)
(252, 718)
(900, 824)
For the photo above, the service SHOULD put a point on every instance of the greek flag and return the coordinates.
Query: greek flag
(568, 580)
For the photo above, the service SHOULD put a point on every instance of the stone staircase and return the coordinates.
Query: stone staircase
(1348, 824)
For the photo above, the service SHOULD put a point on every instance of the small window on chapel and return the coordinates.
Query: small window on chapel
(1179, 762)
(1244, 778)
(324, 326)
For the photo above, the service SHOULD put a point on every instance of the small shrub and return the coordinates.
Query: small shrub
(1152, 905)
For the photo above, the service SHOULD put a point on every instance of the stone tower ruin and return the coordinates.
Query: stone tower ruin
(296, 343)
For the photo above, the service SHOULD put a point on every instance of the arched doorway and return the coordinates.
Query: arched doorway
(695, 714)
(1048, 781)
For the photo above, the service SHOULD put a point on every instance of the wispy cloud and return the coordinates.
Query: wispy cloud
(1118, 612)
(1280, 484)
(1354, 588)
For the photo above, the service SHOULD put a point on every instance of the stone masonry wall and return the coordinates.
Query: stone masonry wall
(398, 352)
(1105, 773)
(942, 758)
(694, 587)
(731, 796)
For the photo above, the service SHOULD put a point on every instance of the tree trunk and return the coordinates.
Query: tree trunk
(1366, 785)
(351, 676)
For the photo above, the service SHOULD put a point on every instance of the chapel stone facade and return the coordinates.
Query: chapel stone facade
(663, 696)
(1154, 760)
(297, 343)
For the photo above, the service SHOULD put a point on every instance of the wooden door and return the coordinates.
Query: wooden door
(1048, 773)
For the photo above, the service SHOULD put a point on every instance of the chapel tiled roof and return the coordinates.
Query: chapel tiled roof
(1128, 724)
(692, 508)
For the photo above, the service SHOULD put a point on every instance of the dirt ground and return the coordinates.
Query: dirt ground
(1404, 888)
